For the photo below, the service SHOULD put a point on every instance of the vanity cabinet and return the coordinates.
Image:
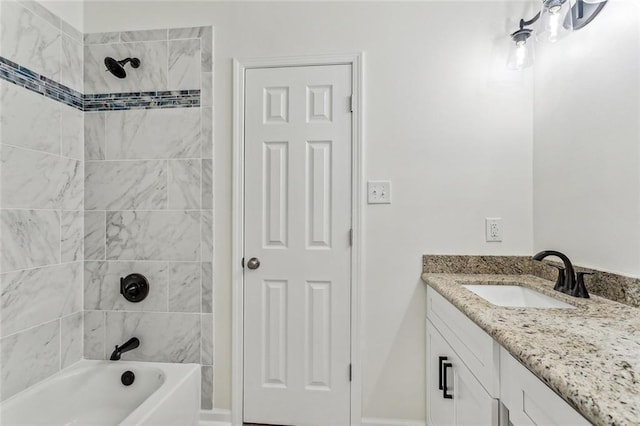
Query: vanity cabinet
(482, 379)
(454, 395)
(462, 361)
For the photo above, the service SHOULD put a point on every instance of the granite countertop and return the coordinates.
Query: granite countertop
(590, 355)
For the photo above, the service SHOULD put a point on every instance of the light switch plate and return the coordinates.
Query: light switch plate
(379, 192)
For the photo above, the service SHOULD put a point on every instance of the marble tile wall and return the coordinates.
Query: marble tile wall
(41, 196)
(149, 201)
(170, 59)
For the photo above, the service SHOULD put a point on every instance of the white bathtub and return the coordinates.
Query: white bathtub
(91, 393)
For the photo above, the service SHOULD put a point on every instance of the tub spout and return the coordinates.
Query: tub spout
(130, 344)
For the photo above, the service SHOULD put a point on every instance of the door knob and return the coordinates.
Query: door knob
(253, 263)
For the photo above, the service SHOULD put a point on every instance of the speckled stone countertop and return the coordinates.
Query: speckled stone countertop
(589, 355)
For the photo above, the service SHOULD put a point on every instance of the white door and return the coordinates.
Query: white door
(297, 224)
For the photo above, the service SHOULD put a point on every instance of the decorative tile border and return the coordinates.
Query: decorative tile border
(24, 77)
(142, 100)
(40, 84)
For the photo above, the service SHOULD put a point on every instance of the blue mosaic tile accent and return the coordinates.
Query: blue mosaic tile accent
(142, 100)
(37, 83)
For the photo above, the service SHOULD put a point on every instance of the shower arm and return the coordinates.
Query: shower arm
(125, 61)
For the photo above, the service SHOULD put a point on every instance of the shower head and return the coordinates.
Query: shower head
(117, 67)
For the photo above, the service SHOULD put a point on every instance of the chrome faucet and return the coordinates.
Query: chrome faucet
(127, 346)
(568, 281)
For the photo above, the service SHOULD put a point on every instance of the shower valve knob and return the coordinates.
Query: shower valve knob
(134, 287)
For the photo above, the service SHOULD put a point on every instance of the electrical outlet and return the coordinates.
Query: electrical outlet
(379, 192)
(493, 229)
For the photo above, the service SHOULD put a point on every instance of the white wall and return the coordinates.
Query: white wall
(444, 121)
(587, 143)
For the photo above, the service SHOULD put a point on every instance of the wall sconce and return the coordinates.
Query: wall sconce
(557, 19)
(521, 53)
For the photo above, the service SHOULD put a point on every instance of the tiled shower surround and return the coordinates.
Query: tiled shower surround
(148, 200)
(144, 204)
(41, 201)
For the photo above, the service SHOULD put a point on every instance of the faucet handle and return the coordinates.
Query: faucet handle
(560, 281)
(580, 289)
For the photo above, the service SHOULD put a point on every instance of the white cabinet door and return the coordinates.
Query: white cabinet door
(472, 404)
(439, 410)
(481, 354)
(454, 395)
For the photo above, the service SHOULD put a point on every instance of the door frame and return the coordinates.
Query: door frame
(237, 219)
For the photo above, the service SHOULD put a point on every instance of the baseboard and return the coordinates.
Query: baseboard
(215, 417)
(370, 421)
(218, 417)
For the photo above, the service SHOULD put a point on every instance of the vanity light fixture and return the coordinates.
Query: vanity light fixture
(521, 54)
(557, 19)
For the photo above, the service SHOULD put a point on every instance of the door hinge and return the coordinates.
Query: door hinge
(351, 237)
(242, 262)
(350, 372)
(351, 103)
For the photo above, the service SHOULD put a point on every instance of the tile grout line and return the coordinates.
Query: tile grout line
(168, 59)
(30, 328)
(59, 344)
(104, 133)
(122, 160)
(210, 143)
(104, 335)
(37, 151)
(33, 268)
(60, 124)
(60, 237)
(202, 317)
(167, 182)
(52, 209)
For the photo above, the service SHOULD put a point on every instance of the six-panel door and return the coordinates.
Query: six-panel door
(297, 225)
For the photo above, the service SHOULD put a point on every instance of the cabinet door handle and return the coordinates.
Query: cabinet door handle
(440, 359)
(445, 395)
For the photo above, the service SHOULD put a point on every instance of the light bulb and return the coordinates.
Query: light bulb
(521, 52)
(554, 24)
(555, 9)
(555, 21)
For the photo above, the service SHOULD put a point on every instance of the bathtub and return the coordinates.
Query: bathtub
(91, 393)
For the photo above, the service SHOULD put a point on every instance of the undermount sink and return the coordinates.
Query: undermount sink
(515, 296)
